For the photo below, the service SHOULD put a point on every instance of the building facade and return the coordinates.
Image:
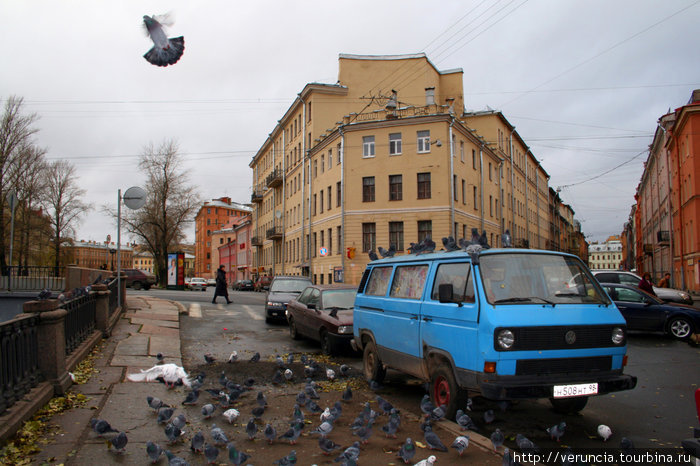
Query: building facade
(94, 255)
(212, 216)
(607, 255)
(143, 260)
(378, 160)
(235, 254)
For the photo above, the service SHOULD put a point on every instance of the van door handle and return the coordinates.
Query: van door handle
(414, 317)
(427, 319)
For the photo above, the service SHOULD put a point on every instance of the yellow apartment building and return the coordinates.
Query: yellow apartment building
(386, 156)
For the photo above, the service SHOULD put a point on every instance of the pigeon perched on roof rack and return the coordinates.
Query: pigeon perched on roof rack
(483, 240)
(373, 256)
(387, 252)
(164, 51)
(506, 239)
(450, 244)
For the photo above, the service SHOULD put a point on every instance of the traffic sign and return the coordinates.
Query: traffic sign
(323, 252)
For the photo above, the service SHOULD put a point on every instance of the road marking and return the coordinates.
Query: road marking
(251, 314)
(195, 310)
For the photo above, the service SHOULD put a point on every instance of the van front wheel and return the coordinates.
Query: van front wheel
(445, 391)
(372, 365)
(569, 405)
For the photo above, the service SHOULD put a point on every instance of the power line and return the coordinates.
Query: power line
(604, 173)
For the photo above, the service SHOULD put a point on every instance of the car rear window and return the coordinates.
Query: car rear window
(289, 285)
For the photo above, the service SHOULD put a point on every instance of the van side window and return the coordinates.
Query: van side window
(409, 281)
(458, 275)
(378, 281)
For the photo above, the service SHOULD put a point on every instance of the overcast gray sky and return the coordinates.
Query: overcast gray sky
(584, 82)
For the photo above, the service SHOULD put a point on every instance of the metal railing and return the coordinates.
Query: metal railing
(19, 364)
(113, 296)
(32, 278)
(80, 320)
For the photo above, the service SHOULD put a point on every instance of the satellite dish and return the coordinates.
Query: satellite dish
(134, 198)
(278, 214)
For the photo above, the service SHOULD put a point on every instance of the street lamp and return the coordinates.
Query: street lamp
(112, 252)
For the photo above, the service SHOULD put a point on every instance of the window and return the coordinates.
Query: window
(475, 198)
(323, 165)
(425, 229)
(329, 197)
(315, 168)
(461, 150)
(464, 192)
(378, 282)
(395, 187)
(490, 171)
(454, 186)
(368, 189)
(339, 154)
(330, 158)
(338, 192)
(423, 141)
(368, 146)
(339, 233)
(474, 159)
(321, 201)
(423, 185)
(313, 212)
(491, 206)
(396, 235)
(458, 275)
(369, 237)
(395, 144)
(409, 281)
(330, 241)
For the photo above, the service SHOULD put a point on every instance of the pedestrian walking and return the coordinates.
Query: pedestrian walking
(221, 287)
(666, 281)
(646, 284)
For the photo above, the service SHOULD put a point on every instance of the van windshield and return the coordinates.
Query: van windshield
(536, 278)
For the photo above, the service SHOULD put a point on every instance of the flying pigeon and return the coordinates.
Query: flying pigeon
(235, 456)
(197, 442)
(119, 442)
(557, 430)
(217, 434)
(173, 432)
(497, 439)
(433, 441)
(429, 461)
(291, 458)
(604, 432)
(327, 445)
(165, 51)
(270, 433)
(153, 451)
(231, 415)
(211, 453)
(164, 414)
(407, 450)
(461, 443)
(171, 374)
(101, 427)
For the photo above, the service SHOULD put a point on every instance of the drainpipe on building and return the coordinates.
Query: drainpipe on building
(513, 233)
(537, 205)
(341, 240)
(680, 212)
(527, 209)
(452, 181)
(481, 182)
(500, 195)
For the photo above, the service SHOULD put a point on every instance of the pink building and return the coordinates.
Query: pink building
(235, 255)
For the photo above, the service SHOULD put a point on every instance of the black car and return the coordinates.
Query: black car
(646, 312)
(243, 285)
(283, 288)
(138, 279)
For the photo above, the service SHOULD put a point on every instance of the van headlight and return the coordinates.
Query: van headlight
(618, 335)
(345, 329)
(506, 339)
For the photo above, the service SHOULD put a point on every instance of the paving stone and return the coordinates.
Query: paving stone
(159, 323)
(172, 316)
(163, 331)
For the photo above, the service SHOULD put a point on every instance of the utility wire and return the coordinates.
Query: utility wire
(604, 173)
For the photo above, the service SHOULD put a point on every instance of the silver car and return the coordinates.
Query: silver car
(624, 277)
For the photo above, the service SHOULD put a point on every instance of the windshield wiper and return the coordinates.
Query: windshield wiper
(522, 300)
(568, 294)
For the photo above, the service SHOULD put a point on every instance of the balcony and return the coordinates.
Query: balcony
(275, 233)
(257, 195)
(256, 241)
(274, 179)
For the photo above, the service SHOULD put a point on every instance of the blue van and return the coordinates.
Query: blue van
(506, 323)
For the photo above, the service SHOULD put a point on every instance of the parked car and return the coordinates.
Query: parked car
(646, 312)
(243, 285)
(323, 313)
(137, 279)
(197, 283)
(624, 277)
(283, 288)
(211, 281)
(187, 282)
(262, 283)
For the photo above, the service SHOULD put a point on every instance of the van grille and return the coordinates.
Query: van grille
(554, 337)
(563, 365)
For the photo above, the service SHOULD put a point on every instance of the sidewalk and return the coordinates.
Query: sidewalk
(150, 326)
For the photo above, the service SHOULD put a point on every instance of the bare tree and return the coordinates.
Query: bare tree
(63, 203)
(16, 131)
(170, 206)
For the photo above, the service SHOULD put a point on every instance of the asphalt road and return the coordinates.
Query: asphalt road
(659, 412)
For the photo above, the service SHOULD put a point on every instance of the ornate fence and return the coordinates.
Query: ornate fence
(80, 320)
(32, 278)
(19, 366)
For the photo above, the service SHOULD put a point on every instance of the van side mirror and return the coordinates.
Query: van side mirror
(445, 293)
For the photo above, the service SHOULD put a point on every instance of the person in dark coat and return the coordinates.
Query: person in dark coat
(645, 284)
(221, 288)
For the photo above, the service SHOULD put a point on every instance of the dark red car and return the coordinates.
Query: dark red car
(323, 313)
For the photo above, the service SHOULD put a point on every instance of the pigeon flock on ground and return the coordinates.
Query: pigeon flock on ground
(338, 437)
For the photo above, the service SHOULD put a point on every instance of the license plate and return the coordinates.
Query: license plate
(583, 389)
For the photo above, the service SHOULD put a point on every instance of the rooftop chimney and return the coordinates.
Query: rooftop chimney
(695, 96)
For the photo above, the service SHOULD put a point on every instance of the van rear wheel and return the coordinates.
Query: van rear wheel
(372, 365)
(569, 405)
(445, 391)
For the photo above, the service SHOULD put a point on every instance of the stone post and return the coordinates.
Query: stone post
(102, 309)
(51, 340)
